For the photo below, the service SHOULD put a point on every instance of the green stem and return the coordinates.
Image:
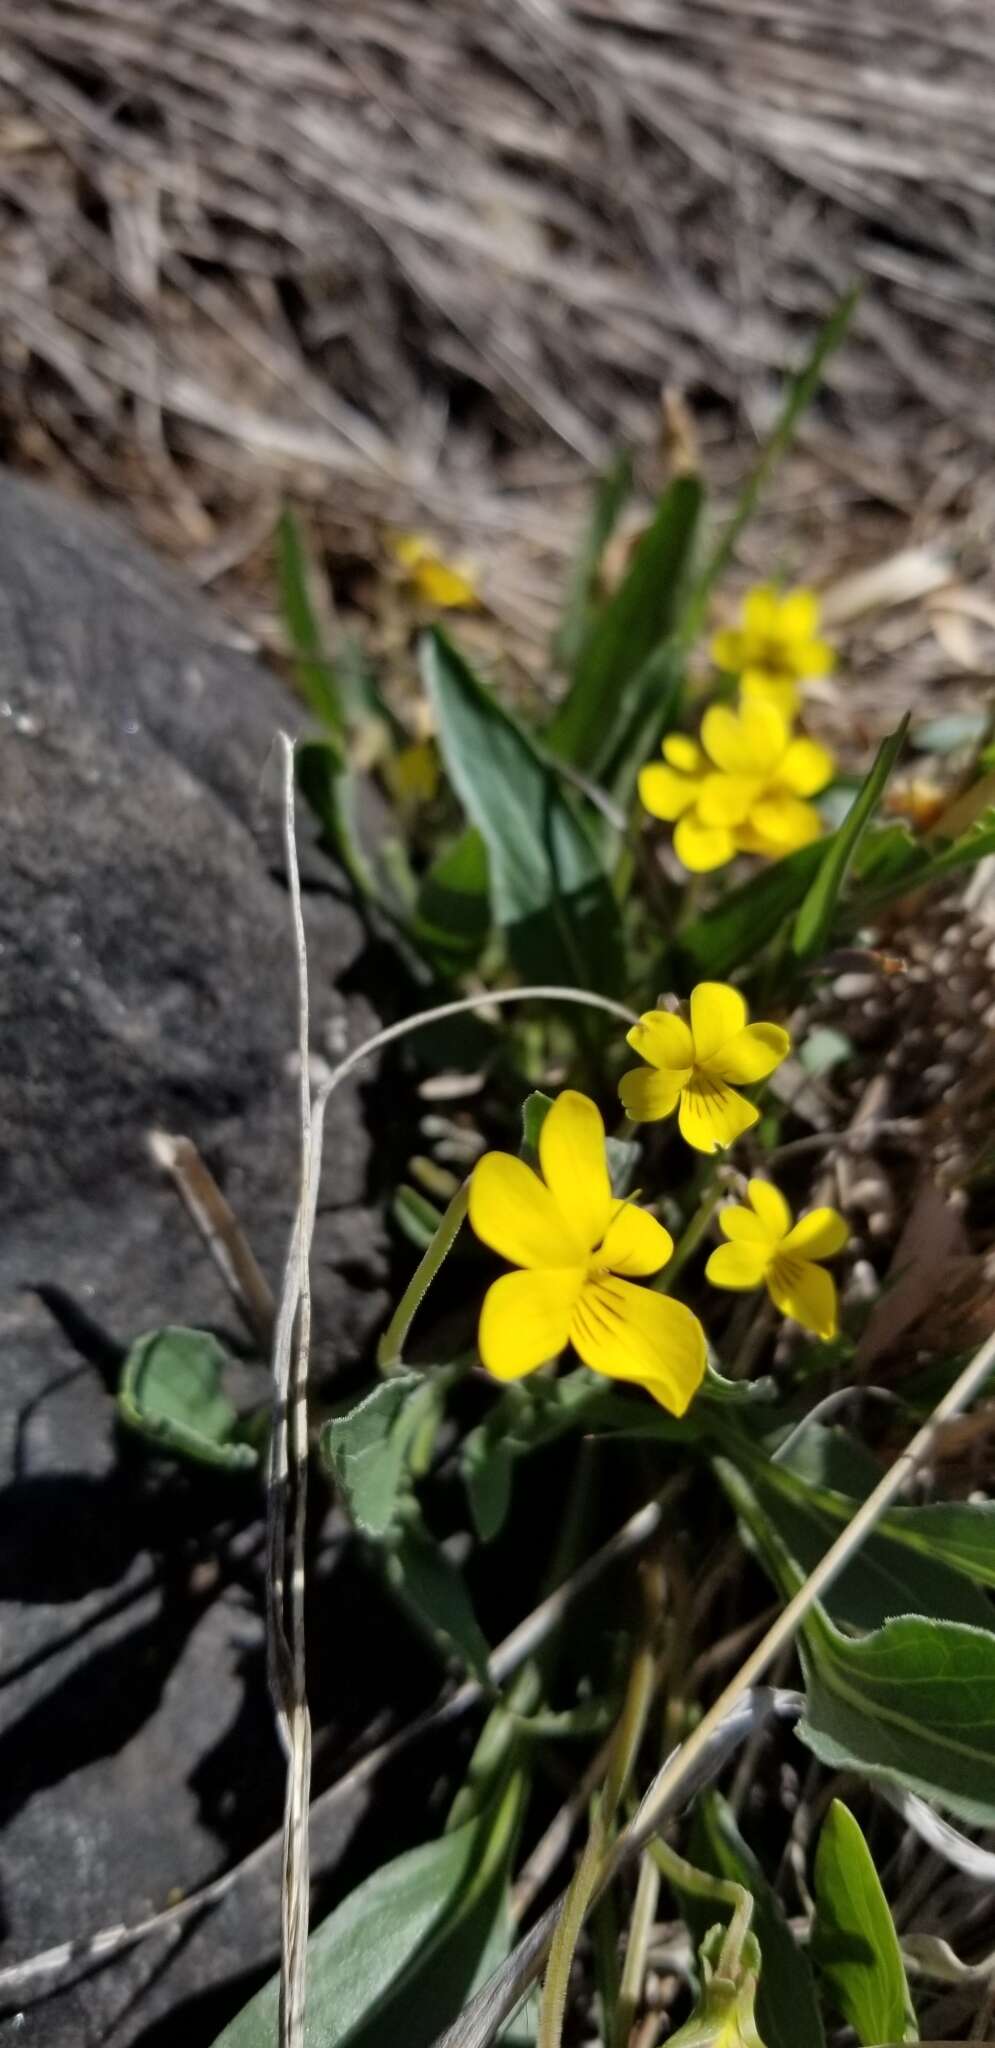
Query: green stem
(390, 1349)
(685, 1877)
(692, 1234)
(634, 1968)
(628, 1735)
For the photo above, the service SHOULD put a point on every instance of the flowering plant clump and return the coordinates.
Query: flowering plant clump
(742, 787)
(766, 1248)
(693, 1066)
(579, 1250)
(775, 648)
(515, 873)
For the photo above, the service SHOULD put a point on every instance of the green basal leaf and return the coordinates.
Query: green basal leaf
(535, 1110)
(549, 892)
(854, 1944)
(401, 1955)
(923, 865)
(452, 919)
(313, 672)
(171, 1391)
(898, 1570)
(416, 1216)
(610, 496)
(815, 918)
(329, 787)
(434, 1590)
(787, 2011)
(744, 920)
(597, 710)
(912, 1704)
(486, 1465)
(653, 698)
(365, 1451)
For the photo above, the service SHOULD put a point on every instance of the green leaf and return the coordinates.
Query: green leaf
(814, 921)
(487, 1467)
(898, 1570)
(913, 1705)
(610, 495)
(171, 1392)
(650, 709)
(365, 1451)
(923, 866)
(744, 920)
(787, 2011)
(433, 1588)
(416, 1216)
(401, 1955)
(313, 672)
(330, 789)
(535, 1110)
(596, 710)
(548, 890)
(453, 915)
(854, 1944)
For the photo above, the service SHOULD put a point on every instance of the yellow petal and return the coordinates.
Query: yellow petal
(783, 823)
(815, 658)
(575, 1166)
(683, 752)
(738, 1265)
(728, 650)
(806, 1292)
(806, 768)
(769, 1205)
(759, 686)
(818, 1235)
(635, 1243)
(765, 738)
(663, 1039)
(723, 740)
(513, 1213)
(525, 1319)
(743, 1226)
(702, 847)
(647, 1095)
(630, 1333)
(798, 615)
(718, 1013)
(665, 792)
(712, 1115)
(451, 588)
(760, 611)
(410, 548)
(727, 799)
(751, 1055)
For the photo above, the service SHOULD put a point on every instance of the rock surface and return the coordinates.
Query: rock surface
(146, 980)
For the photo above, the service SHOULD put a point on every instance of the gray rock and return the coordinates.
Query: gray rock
(146, 980)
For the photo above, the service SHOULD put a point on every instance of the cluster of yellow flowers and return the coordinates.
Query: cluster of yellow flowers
(745, 784)
(578, 1250)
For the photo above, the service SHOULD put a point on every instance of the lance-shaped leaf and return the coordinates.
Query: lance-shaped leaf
(854, 1944)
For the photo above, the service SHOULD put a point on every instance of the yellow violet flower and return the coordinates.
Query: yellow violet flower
(766, 1247)
(741, 788)
(776, 646)
(692, 1066)
(579, 1250)
(448, 585)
